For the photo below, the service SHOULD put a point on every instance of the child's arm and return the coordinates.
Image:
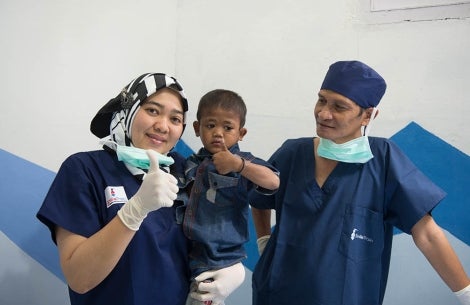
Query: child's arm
(226, 162)
(259, 174)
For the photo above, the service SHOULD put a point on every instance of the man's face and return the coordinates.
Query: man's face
(338, 118)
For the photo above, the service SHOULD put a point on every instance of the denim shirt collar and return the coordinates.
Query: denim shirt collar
(204, 153)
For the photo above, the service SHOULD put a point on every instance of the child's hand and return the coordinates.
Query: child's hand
(226, 162)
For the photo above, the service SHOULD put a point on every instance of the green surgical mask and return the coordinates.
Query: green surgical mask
(137, 157)
(354, 151)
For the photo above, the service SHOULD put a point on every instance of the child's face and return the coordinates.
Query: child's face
(218, 128)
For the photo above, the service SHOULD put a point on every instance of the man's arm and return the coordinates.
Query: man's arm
(262, 222)
(433, 243)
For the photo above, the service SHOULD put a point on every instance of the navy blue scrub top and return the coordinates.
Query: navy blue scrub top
(332, 245)
(154, 269)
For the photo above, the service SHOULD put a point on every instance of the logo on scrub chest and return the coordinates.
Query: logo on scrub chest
(115, 194)
(355, 235)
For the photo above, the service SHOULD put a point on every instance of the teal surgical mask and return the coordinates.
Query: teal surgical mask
(354, 151)
(137, 157)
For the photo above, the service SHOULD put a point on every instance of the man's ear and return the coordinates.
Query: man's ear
(243, 132)
(196, 128)
(376, 114)
(369, 112)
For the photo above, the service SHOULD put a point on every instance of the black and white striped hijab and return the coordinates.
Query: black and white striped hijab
(130, 100)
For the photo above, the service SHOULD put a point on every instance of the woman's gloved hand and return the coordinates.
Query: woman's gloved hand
(159, 189)
(224, 282)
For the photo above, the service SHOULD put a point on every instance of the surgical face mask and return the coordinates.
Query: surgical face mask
(354, 151)
(137, 157)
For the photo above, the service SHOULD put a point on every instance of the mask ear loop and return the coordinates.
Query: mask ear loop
(372, 118)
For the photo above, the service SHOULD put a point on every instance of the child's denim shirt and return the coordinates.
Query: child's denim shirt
(216, 216)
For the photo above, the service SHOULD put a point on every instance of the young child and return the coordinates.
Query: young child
(219, 177)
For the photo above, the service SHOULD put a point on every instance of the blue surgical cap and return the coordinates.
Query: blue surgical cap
(356, 81)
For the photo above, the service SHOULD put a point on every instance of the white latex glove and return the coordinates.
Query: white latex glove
(225, 281)
(158, 190)
(262, 242)
(464, 295)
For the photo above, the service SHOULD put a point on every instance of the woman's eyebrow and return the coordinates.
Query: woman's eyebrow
(157, 104)
(154, 104)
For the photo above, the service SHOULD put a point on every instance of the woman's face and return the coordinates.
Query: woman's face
(338, 118)
(158, 124)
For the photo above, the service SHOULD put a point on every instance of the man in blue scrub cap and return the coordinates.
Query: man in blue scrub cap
(340, 196)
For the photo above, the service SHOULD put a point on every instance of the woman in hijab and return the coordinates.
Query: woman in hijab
(112, 212)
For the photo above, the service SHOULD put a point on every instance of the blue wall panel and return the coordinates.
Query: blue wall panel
(23, 186)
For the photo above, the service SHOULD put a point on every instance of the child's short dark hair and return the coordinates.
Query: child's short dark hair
(225, 99)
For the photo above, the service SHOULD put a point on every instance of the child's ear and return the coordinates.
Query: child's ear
(196, 128)
(243, 132)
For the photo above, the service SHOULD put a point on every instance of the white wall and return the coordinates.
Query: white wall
(62, 60)
(275, 54)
